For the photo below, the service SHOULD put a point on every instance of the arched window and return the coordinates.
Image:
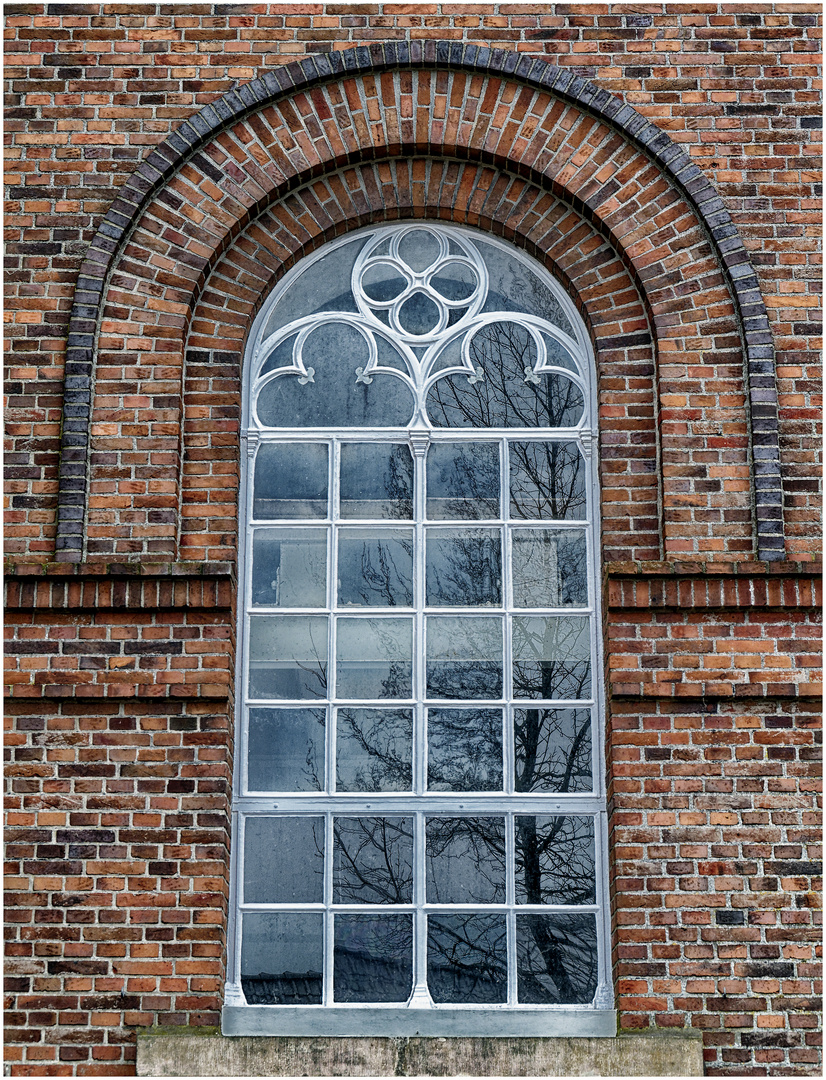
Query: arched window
(419, 837)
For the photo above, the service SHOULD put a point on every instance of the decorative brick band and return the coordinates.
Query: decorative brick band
(675, 630)
(721, 593)
(211, 591)
(165, 161)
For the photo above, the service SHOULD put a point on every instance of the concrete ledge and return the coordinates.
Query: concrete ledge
(179, 1052)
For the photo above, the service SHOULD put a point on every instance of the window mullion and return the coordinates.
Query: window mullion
(420, 995)
(510, 896)
(329, 928)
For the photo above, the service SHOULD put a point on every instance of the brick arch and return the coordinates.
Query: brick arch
(197, 192)
(402, 189)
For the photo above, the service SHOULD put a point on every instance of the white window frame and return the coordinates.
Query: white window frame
(420, 1015)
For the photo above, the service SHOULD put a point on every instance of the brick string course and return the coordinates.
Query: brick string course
(119, 728)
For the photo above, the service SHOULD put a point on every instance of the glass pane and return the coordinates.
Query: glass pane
(467, 959)
(506, 390)
(323, 286)
(464, 749)
(289, 567)
(556, 959)
(332, 393)
(418, 314)
(290, 481)
(464, 657)
(281, 355)
(464, 567)
(373, 860)
(376, 479)
(558, 355)
(549, 568)
(562, 400)
(375, 567)
(515, 287)
(288, 656)
(383, 282)
(555, 860)
(455, 281)
(374, 658)
(553, 750)
(551, 657)
(282, 958)
(373, 958)
(465, 860)
(374, 750)
(463, 480)
(286, 750)
(284, 860)
(419, 249)
(547, 481)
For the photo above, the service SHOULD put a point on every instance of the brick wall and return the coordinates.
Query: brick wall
(120, 673)
(117, 811)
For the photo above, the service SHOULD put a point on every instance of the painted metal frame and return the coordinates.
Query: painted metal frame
(420, 1015)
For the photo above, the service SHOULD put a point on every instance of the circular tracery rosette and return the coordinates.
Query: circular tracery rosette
(418, 282)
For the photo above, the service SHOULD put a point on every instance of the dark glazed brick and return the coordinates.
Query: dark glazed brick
(730, 918)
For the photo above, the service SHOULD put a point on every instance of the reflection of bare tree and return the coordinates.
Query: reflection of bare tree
(464, 659)
(465, 860)
(551, 659)
(514, 288)
(380, 580)
(373, 860)
(464, 568)
(313, 771)
(553, 750)
(314, 668)
(398, 482)
(547, 481)
(556, 958)
(374, 750)
(464, 749)
(464, 680)
(555, 859)
(508, 395)
(467, 958)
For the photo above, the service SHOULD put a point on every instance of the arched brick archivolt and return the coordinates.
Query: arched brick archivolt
(267, 172)
(509, 206)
